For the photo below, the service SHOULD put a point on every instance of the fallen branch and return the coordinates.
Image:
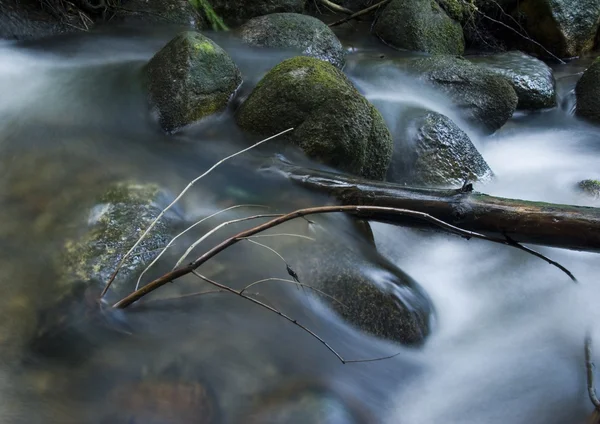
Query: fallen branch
(164, 211)
(564, 226)
(359, 13)
(360, 211)
(335, 7)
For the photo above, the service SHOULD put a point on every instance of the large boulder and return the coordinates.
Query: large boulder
(531, 78)
(588, 93)
(332, 121)
(567, 28)
(114, 224)
(420, 25)
(431, 150)
(236, 12)
(190, 78)
(308, 35)
(484, 98)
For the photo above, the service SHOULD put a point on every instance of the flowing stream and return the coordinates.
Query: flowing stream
(507, 343)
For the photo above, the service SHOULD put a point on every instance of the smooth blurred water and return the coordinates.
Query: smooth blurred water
(508, 341)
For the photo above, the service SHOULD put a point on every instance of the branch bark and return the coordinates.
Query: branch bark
(564, 226)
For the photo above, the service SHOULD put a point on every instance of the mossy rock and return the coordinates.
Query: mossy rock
(458, 10)
(485, 99)
(531, 78)
(431, 150)
(587, 92)
(190, 78)
(420, 25)
(119, 218)
(590, 188)
(236, 12)
(333, 123)
(566, 28)
(304, 33)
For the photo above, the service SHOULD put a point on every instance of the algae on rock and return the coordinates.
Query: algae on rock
(333, 122)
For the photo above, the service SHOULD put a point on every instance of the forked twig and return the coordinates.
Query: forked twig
(359, 13)
(164, 211)
(361, 211)
(290, 319)
(336, 7)
(137, 285)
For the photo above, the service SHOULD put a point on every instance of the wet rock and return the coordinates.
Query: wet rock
(484, 98)
(162, 402)
(458, 10)
(25, 19)
(236, 12)
(306, 402)
(190, 78)
(333, 122)
(291, 30)
(177, 12)
(531, 78)
(119, 218)
(587, 92)
(590, 188)
(433, 151)
(364, 289)
(420, 25)
(567, 28)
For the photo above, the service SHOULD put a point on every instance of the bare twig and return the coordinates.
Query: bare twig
(284, 280)
(290, 319)
(137, 285)
(361, 211)
(143, 236)
(336, 7)
(589, 365)
(282, 235)
(359, 13)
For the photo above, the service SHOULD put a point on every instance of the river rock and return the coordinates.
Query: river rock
(25, 19)
(590, 188)
(567, 28)
(587, 92)
(431, 150)
(114, 224)
(304, 33)
(236, 12)
(332, 121)
(420, 25)
(177, 12)
(484, 98)
(531, 78)
(190, 78)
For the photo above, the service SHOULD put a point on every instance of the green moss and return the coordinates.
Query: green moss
(590, 187)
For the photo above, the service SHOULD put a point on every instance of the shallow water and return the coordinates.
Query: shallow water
(508, 340)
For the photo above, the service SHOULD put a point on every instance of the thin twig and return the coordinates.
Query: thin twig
(362, 211)
(283, 235)
(143, 236)
(290, 319)
(359, 13)
(137, 285)
(589, 365)
(284, 280)
(217, 228)
(336, 7)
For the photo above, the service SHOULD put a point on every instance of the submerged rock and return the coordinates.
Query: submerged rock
(432, 150)
(587, 92)
(291, 30)
(190, 78)
(236, 12)
(484, 98)
(420, 25)
(566, 28)
(119, 218)
(332, 121)
(531, 78)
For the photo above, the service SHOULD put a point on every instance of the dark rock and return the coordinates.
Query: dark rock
(420, 25)
(484, 98)
(333, 122)
(587, 92)
(25, 19)
(531, 78)
(433, 151)
(291, 30)
(190, 78)
(177, 12)
(236, 12)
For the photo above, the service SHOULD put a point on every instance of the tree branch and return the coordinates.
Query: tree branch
(359, 13)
